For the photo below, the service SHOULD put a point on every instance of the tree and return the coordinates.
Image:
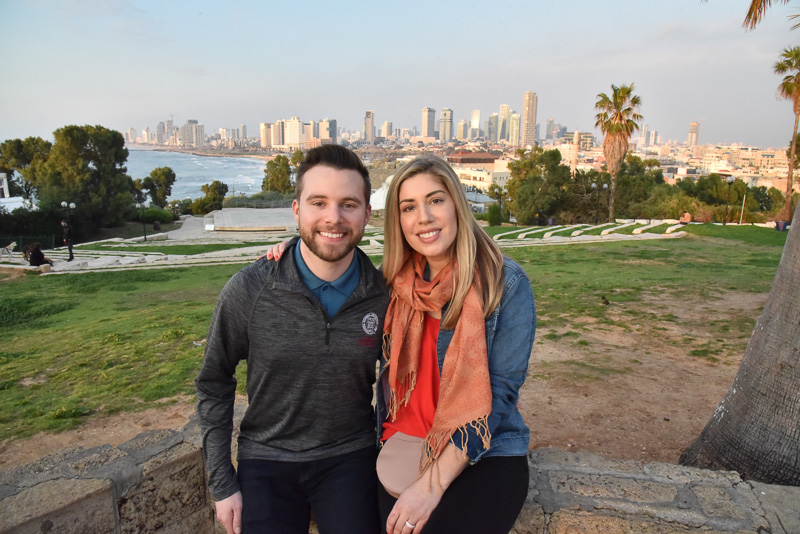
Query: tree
(159, 185)
(277, 175)
(758, 8)
(25, 158)
(214, 195)
(86, 165)
(796, 154)
(617, 120)
(539, 187)
(297, 158)
(789, 89)
(755, 430)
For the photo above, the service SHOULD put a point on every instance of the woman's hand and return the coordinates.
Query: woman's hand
(414, 507)
(275, 251)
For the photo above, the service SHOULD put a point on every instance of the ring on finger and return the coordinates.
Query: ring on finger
(409, 525)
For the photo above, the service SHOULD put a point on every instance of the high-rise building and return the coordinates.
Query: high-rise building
(277, 133)
(293, 135)
(528, 127)
(132, 135)
(462, 130)
(475, 124)
(514, 120)
(653, 141)
(502, 122)
(369, 127)
(548, 129)
(386, 129)
(694, 133)
(492, 124)
(193, 134)
(643, 136)
(428, 122)
(265, 130)
(327, 130)
(243, 131)
(446, 125)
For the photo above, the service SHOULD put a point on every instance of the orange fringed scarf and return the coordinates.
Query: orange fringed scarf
(465, 395)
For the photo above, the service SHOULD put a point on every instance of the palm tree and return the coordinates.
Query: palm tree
(617, 120)
(754, 428)
(757, 10)
(789, 89)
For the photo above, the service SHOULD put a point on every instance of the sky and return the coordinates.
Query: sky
(130, 64)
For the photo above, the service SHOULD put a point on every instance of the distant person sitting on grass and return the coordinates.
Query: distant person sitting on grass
(686, 218)
(36, 257)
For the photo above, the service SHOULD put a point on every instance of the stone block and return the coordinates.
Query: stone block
(548, 459)
(717, 502)
(65, 506)
(686, 475)
(579, 522)
(641, 491)
(149, 444)
(781, 505)
(200, 522)
(531, 519)
(173, 488)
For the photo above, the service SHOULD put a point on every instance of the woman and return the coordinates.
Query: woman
(458, 336)
(463, 311)
(36, 257)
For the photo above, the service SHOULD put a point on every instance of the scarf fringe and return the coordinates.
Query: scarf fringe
(434, 444)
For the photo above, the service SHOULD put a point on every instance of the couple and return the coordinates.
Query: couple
(452, 323)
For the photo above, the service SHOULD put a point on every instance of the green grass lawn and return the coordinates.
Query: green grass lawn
(166, 248)
(98, 343)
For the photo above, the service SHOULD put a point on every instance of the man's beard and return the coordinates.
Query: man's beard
(331, 253)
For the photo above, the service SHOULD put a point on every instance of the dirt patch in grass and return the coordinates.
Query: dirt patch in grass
(624, 385)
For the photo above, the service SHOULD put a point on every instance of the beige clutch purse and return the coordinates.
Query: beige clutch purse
(398, 462)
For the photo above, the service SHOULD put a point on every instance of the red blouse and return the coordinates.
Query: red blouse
(416, 417)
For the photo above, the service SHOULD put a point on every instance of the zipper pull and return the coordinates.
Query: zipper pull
(327, 333)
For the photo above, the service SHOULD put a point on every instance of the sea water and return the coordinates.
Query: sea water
(241, 175)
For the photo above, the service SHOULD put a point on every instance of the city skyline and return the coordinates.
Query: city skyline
(133, 64)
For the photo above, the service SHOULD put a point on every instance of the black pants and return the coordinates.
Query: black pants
(69, 247)
(279, 497)
(486, 498)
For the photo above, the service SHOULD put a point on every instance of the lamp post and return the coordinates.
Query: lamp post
(730, 180)
(141, 216)
(68, 209)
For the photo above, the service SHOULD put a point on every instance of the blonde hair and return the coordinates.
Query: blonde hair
(478, 260)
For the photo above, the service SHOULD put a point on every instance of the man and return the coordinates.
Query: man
(68, 238)
(310, 329)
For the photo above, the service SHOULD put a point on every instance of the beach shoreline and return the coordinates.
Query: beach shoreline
(195, 152)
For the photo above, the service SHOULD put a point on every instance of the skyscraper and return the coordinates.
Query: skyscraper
(293, 134)
(327, 130)
(514, 120)
(502, 122)
(265, 131)
(694, 133)
(386, 129)
(643, 136)
(528, 127)
(548, 129)
(369, 127)
(428, 122)
(492, 124)
(243, 131)
(462, 130)
(475, 124)
(446, 125)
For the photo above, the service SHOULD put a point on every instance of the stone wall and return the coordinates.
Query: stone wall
(155, 483)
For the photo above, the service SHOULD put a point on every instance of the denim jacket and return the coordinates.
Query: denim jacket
(510, 331)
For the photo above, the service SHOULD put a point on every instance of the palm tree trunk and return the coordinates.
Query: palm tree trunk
(756, 428)
(789, 176)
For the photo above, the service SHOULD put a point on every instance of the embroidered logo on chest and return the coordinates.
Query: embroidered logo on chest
(370, 323)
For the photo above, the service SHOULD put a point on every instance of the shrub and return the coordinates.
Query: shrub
(153, 214)
(495, 217)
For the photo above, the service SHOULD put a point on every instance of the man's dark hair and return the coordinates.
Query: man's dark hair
(335, 156)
